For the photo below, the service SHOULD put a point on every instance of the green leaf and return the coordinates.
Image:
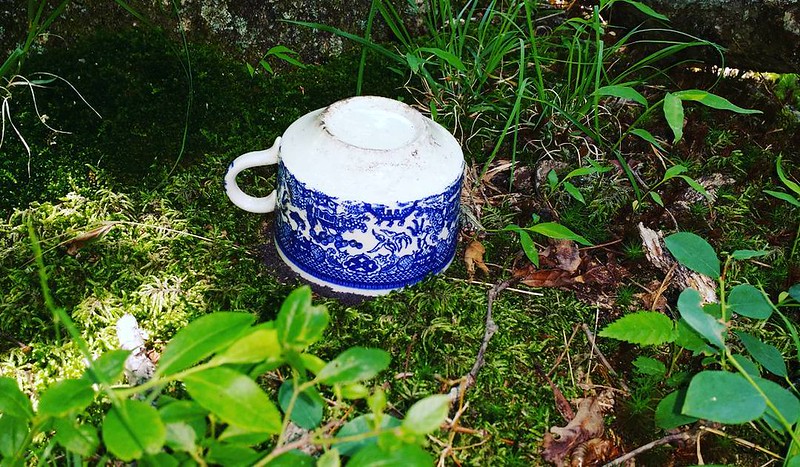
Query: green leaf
(783, 400)
(558, 231)
(235, 435)
(786, 181)
(231, 455)
(13, 401)
(784, 197)
(359, 426)
(307, 410)
(529, 247)
(312, 363)
(427, 415)
(794, 292)
(747, 365)
(448, 57)
(673, 112)
(574, 192)
(696, 186)
(80, 439)
(257, 346)
(300, 324)
(689, 339)
(657, 198)
(747, 254)
(765, 354)
(693, 252)
(623, 92)
(746, 300)
(689, 305)
(674, 171)
(66, 396)
(133, 428)
(647, 136)
(712, 100)
(293, 458)
(235, 399)
(668, 412)
(723, 397)
(107, 368)
(406, 455)
(180, 436)
(650, 366)
(13, 432)
(329, 459)
(353, 365)
(647, 10)
(200, 339)
(552, 179)
(642, 328)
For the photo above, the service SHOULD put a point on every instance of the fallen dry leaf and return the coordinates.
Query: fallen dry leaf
(473, 257)
(533, 277)
(81, 240)
(596, 451)
(558, 445)
(567, 255)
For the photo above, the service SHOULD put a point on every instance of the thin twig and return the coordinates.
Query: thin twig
(602, 357)
(682, 436)
(487, 284)
(741, 441)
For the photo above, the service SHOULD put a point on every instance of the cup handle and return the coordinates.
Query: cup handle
(246, 161)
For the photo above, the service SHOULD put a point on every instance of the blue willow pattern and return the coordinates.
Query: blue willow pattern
(362, 245)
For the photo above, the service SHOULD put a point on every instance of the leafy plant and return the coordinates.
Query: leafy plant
(547, 229)
(217, 412)
(735, 389)
(791, 197)
(280, 52)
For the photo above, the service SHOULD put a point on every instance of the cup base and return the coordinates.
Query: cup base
(370, 292)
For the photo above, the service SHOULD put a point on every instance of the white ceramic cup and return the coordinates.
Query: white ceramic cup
(367, 196)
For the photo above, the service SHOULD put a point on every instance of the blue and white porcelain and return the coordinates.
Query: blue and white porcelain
(367, 196)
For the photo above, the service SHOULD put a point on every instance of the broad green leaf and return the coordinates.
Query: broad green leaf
(668, 412)
(746, 300)
(642, 328)
(574, 192)
(231, 455)
(300, 324)
(257, 346)
(529, 247)
(647, 136)
(414, 62)
(449, 57)
(693, 252)
(784, 197)
(312, 363)
(689, 305)
(623, 92)
(107, 368)
(657, 198)
(794, 292)
(673, 112)
(765, 354)
(723, 397)
(200, 339)
(180, 436)
(558, 231)
(182, 411)
(747, 254)
(674, 171)
(132, 429)
(235, 435)
(793, 461)
(689, 339)
(647, 10)
(13, 401)
(13, 431)
(80, 439)
(160, 459)
(783, 400)
(552, 179)
(353, 365)
(427, 415)
(235, 399)
(329, 459)
(405, 455)
(747, 365)
(66, 396)
(786, 181)
(358, 426)
(581, 171)
(293, 458)
(308, 406)
(650, 366)
(355, 391)
(712, 100)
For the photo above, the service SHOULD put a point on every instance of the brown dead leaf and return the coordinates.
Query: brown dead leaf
(473, 257)
(533, 277)
(567, 255)
(596, 451)
(559, 444)
(81, 240)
